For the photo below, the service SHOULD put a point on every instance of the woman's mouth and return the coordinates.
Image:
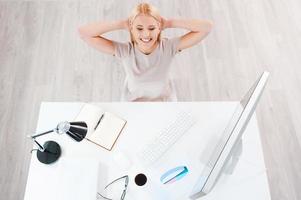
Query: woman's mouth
(146, 40)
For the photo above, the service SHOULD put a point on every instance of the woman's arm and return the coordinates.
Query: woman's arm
(91, 33)
(199, 29)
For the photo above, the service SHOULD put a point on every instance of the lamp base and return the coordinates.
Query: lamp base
(51, 153)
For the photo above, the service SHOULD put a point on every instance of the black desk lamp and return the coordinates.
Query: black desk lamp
(51, 151)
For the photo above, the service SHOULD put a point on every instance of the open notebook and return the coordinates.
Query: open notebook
(103, 127)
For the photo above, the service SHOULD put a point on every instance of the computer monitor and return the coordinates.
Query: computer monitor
(230, 138)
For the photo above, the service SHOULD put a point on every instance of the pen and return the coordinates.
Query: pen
(98, 121)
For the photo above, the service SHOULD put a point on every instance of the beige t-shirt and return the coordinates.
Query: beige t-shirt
(147, 76)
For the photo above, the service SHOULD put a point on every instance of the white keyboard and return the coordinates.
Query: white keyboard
(166, 138)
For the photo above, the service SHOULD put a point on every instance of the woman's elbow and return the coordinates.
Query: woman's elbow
(82, 32)
(205, 26)
(209, 26)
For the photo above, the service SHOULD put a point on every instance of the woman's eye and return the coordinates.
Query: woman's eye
(139, 29)
(151, 29)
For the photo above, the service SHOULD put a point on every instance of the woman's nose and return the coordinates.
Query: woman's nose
(146, 34)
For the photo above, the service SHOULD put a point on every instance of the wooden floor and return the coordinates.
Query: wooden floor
(43, 59)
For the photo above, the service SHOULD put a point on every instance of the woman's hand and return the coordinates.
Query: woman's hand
(165, 23)
(126, 24)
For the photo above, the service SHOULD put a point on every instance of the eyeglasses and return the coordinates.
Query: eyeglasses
(113, 189)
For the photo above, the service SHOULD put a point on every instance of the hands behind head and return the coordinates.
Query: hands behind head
(126, 24)
(164, 23)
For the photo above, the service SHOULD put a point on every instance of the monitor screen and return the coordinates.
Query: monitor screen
(229, 138)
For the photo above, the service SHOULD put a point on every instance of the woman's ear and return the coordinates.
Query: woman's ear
(163, 23)
(160, 26)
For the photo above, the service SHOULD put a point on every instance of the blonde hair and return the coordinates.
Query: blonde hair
(146, 9)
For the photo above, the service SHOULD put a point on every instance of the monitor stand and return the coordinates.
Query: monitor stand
(233, 160)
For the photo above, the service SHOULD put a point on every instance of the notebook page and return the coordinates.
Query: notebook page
(91, 115)
(108, 130)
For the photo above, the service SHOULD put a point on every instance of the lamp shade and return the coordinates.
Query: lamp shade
(76, 130)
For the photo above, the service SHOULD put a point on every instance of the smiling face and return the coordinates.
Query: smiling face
(145, 31)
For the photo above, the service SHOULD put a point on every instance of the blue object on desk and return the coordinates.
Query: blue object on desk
(174, 174)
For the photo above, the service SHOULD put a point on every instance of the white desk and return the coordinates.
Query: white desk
(248, 180)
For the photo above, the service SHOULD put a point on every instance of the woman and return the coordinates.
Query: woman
(147, 57)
